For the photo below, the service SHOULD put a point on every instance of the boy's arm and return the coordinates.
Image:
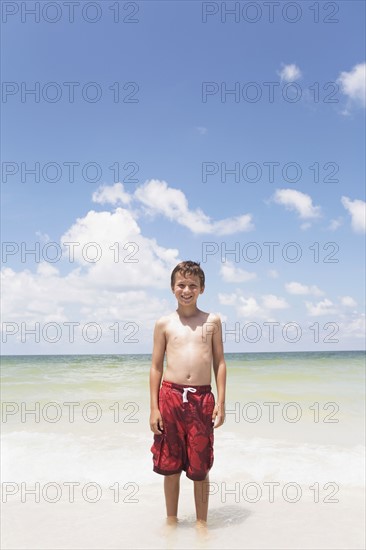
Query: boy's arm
(219, 367)
(156, 373)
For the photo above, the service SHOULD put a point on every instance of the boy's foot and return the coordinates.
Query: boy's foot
(201, 527)
(170, 526)
(172, 521)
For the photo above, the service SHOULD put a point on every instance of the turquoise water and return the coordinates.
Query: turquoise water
(88, 415)
(292, 418)
(300, 376)
(254, 374)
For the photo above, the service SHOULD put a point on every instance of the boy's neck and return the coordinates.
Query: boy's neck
(189, 311)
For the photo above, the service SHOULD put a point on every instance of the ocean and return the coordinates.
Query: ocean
(77, 467)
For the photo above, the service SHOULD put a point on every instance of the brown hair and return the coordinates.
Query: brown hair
(188, 268)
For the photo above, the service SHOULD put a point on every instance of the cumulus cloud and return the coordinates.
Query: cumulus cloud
(304, 226)
(273, 273)
(113, 269)
(43, 237)
(270, 301)
(348, 301)
(352, 84)
(357, 210)
(289, 73)
(251, 307)
(297, 201)
(334, 224)
(48, 297)
(125, 258)
(112, 266)
(172, 203)
(227, 299)
(354, 328)
(298, 288)
(157, 198)
(324, 307)
(232, 274)
(112, 194)
(47, 270)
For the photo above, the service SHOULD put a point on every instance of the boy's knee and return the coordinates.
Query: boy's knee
(202, 480)
(173, 477)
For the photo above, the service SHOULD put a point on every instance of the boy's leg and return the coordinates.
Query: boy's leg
(201, 492)
(171, 490)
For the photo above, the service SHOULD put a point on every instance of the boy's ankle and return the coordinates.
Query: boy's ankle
(171, 520)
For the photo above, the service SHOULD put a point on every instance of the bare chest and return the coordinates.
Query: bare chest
(187, 336)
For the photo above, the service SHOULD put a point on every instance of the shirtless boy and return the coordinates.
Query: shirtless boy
(183, 410)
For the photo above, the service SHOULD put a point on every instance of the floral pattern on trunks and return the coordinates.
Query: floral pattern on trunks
(187, 439)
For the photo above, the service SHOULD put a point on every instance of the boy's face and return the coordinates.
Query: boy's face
(187, 289)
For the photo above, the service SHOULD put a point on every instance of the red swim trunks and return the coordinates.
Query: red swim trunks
(186, 442)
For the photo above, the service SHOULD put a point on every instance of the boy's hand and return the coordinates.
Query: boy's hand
(218, 415)
(156, 422)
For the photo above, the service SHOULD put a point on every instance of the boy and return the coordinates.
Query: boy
(183, 410)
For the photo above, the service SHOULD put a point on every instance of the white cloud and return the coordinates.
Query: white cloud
(290, 72)
(354, 328)
(244, 307)
(227, 299)
(114, 288)
(348, 301)
(270, 301)
(47, 270)
(228, 226)
(272, 273)
(128, 259)
(158, 198)
(43, 237)
(334, 224)
(305, 226)
(249, 307)
(357, 210)
(232, 274)
(111, 194)
(298, 288)
(50, 298)
(172, 203)
(300, 202)
(31, 297)
(325, 307)
(352, 84)
(201, 130)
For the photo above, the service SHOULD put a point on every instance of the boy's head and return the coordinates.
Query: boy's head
(188, 268)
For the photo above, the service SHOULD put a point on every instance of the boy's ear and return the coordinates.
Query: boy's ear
(202, 290)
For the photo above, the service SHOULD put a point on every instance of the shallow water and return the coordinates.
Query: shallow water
(292, 418)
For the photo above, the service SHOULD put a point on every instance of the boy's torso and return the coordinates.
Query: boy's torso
(189, 348)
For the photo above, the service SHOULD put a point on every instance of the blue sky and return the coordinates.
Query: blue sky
(178, 128)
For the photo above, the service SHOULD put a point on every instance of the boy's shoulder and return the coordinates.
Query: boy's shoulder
(164, 320)
(212, 316)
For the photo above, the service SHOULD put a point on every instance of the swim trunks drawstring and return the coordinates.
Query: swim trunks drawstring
(185, 390)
